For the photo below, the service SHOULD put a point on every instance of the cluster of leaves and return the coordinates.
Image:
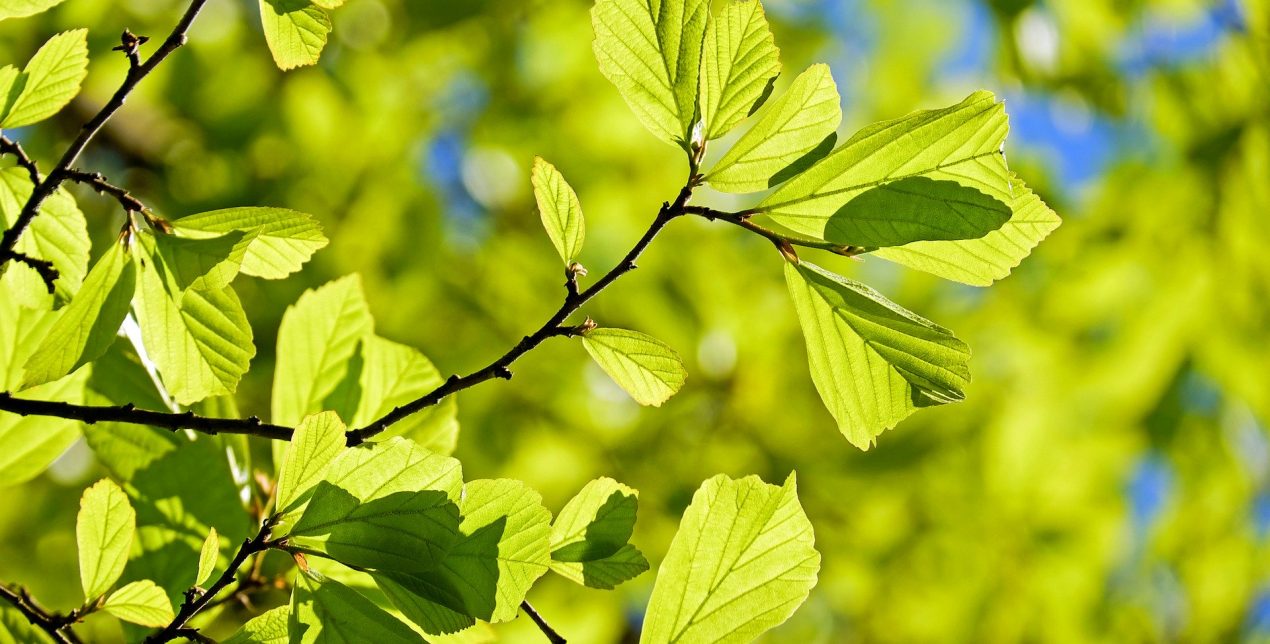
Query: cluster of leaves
(388, 539)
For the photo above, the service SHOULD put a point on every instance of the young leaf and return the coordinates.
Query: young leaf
(59, 235)
(284, 239)
(140, 602)
(504, 548)
(207, 557)
(651, 51)
(103, 530)
(961, 144)
(210, 263)
(269, 627)
(393, 374)
(790, 127)
(199, 339)
(743, 561)
(317, 441)
(560, 210)
(589, 537)
(738, 66)
(317, 337)
(325, 611)
(647, 368)
(88, 326)
(295, 30)
(387, 505)
(981, 261)
(49, 81)
(873, 362)
(24, 8)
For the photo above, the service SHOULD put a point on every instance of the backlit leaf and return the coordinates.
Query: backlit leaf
(589, 537)
(738, 66)
(284, 239)
(140, 602)
(648, 369)
(48, 82)
(103, 531)
(560, 210)
(326, 611)
(296, 31)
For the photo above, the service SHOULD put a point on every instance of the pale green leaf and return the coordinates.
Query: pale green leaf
(394, 374)
(29, 444)
(915, 209)
(329, 4)
(651, 51)
(388, 505)
(49, 81)
(738, 66)
(981, 261)
(210, 263)
(873, 362)
(790, 127)
(284, 239)
(296, 31)
(649, 370)
(961, 144)
(589, 537)
(207, 558)
(118, 378)
(269, 627)
(59, 234)
(199, 339)
(326, 611)
(24, 8)
(317, 441)
(504, 549)
(16, 629)
(85, 329)
(743, 561)
(317, 337)
(560, 210)
(103, 531)
(140, 602)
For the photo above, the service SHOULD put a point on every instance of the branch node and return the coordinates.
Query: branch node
(503, 372)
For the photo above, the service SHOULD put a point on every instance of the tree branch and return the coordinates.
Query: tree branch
(552, 635)
(745, 220)
(58, 627)
(197, 599)
(137, 71)
(90, 414)
(97, 181)
(9, 146)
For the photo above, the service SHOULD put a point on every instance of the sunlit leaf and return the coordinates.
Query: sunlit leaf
(647, 368)
(327, 611)
(589, 537)
(393, 374)
(743, 561)
(103, 532)
(24, 8)
(873, 362)
(318, 439)
(59, 234)
(560, 210)
(269, 627)
(48, 82)
(651, 51)
(284, 239)
(296, 31)
(738, 66)
(207, 558)
(210, 263)
(140, 602)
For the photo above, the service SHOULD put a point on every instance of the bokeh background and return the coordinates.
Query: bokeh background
(1108, 477)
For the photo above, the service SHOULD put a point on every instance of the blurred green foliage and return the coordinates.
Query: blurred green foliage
(1108, 477)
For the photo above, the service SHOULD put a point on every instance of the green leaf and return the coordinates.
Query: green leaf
(649, 370)
(317, 337)
(329, 4)
(16, 629)
(328, 611)
(49, 81)
(981, 261)
(651, 51)
(393, 374)
(24, 8)
(210, 263)
(269, 627)
(317, 441)
(296, 31)
(790, 127)
(387, 505)
(961, 144)
(560, 210)
(140, 602)
(118, 378)
(743, 561)
(199, 338)
(284, 239)
(873, 362)
(738, 66)
(103, 530)
(915, 209)
(59, 235)
(207, 558)
(87, 327)
(589, 537)
(505, 548)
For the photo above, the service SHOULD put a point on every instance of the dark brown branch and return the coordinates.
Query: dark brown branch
(745, 220)
(501, 368)
(57, 626)
(552, 635)
(90, 414)
(137, 71)
(97, 181)
(197, 599)
(44, 267)
(9, 146)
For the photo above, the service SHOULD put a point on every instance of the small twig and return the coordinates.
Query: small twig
(745, 220)
(58, 627)
(45, 268)
(552, 635)
(90, 414)
(197, 599)
(97, 181)
(9, 146)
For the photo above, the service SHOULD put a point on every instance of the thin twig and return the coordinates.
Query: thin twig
(97, 181)
(9, 146)
(91, 414)
(552, 635)
(197, 599)
(137, 71)
(745, 220)
(58, 627)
